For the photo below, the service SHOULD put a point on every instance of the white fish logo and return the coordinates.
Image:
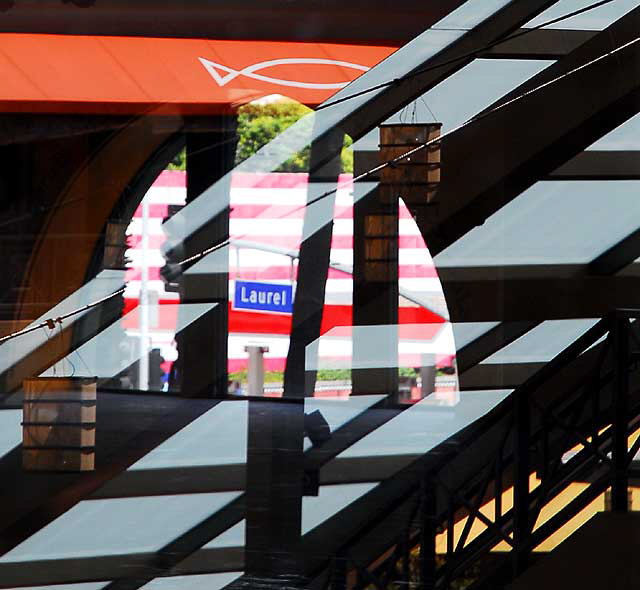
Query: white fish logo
(224, 74)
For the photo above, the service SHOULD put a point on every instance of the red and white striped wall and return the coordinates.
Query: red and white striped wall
(267, 209)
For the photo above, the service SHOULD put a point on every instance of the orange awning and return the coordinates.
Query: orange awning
(91, 74)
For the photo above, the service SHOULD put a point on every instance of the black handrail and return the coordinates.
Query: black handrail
(566, 413)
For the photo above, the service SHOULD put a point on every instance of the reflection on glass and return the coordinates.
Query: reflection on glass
(596, 19)
(126, 525)
(425, 425)
(194, 582)
(10, 430)
(243, 243)
(115, 352)
(107, 282)
(540, 226)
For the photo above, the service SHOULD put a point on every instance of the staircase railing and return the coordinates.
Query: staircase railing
(569, 422)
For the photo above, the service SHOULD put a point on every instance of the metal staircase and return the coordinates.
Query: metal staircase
(571, 421)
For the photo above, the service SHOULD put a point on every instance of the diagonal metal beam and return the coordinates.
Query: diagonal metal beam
(540, 44)
(47, 573)
(493, 164)
(619, 256)
(470, 357)
(600, 165)
(471, 299)
(129, 427)
(495, 339)
(368, 115)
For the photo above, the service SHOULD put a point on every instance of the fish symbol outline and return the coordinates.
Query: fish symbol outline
(223, 74)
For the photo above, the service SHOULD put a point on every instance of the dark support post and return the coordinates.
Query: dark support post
(620, 480)
(313, 263)
(406, 558)
(275, 466)
(521, 526)
(340, 572)
(428, 531)
(375, 285)
(274, 490)
(202, 346)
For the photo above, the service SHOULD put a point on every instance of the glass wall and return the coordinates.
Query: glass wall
(314, 297)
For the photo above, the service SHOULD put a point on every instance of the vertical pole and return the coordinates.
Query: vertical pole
(203, 344)
(313, 263)
(521, 482)
(256, 369)
(428, 374)
(143, 365)
(375, 285)
(406, 557)
(620, 481)
(340, 572)
(275, 460)
(428, 566)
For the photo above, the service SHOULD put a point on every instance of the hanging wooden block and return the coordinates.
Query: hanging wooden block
(59, 422)
(381, 247)
(414, 178)
(115, 246)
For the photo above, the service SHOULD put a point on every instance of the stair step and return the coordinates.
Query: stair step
(600, 554)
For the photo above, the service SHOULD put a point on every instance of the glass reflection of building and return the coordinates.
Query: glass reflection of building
(296, 377)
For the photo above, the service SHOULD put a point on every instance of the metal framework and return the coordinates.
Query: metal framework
(584, 401)
(559, 438)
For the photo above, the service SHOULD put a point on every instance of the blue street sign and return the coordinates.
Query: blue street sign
(263, 297)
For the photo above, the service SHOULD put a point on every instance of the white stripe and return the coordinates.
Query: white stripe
(167, 195)
(257, 258)
(133, 289)
(155, 227)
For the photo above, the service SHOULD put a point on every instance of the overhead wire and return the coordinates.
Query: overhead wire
(475, 53)
(427, 144)
(470, 55)
(50, 323)
(465, 56)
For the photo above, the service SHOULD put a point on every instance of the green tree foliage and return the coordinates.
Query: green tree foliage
(258, 124)
(179, 162)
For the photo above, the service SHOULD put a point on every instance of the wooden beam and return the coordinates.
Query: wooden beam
(303, 20)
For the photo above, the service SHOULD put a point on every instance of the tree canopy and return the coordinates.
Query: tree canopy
(258, 124)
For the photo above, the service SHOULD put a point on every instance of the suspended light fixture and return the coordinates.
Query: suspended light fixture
(416, 176)
(59, 424)
(412, 154)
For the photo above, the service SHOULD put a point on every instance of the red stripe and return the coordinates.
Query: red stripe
(178, 178)
(243, 322)
(278, 364)
(171, 178)
(257, 211)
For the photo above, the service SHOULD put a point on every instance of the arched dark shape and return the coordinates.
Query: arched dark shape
(124, 209)
(111, 178)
